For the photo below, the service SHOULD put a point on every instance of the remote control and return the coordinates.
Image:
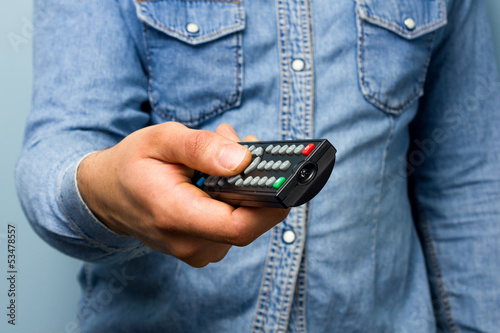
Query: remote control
(282, 174)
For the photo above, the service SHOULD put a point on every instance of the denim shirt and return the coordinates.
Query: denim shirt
(405, 236)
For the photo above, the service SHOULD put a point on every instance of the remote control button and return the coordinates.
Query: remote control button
(269, 149)
(239, 182)
(275, 150)
(285, 165)
(255, 181)
(247, 181)
(258, 152)
(269, 165)
(261, 165)
(252, 147)
(252, 165)
(262, 181)
(276, 165)
(221, 182)
(308, 149)
(270, 181)
(298, 150)
(211, 181)
(200, 182)
(234, 179)
(290, 150)
(283, 149)
(246, 146)
(279, 182)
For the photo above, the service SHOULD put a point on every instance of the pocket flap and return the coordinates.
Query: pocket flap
(408, 19)
(193, 22)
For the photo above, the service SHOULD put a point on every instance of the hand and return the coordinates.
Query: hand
(142, 187)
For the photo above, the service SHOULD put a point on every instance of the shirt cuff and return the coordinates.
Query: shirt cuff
(83, 221)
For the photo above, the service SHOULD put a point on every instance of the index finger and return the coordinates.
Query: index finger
(220, 222)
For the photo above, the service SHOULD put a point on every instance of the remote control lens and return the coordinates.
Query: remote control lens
(307, 173)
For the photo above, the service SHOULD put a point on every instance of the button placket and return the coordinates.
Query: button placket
(283, 265)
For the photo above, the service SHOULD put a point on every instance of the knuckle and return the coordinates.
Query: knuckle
(185, 252)
(197, 142)
(239, 235)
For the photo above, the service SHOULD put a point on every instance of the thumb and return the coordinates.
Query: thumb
(205, 151)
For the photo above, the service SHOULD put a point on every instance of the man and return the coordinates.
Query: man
(129, 97)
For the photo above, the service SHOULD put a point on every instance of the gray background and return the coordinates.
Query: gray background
(47, 291)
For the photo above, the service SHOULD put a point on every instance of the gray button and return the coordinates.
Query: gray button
(283, 150)
(285, 165)
(252, 165)
(270, 181)
(252, 147)
(221, 182)
(246, 146)
(269, 148)
(211, 181)
(276, 165)
(298, 150)
(258, 152)
(234, 179)
(239, 182)
(298, 65)
(261, 165)
(247, 181)
(290, 150)
(262, 181)
(289, 236)
(410, 23)
(275, 150)
(255, 181)
(192, 28)
(269, 165)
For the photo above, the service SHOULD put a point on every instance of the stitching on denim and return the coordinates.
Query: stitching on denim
(238, 25)
(307, 31)
(269, 267)
(374, 19)
(285, 75)
(365, 87)
(233, 101)
(199, 40)
(294, 265)
(442, 293)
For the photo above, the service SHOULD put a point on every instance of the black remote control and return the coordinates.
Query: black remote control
(282, 174)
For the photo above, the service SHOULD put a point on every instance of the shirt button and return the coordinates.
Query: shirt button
(289, 236)
(410, 23)
(298, 65)
(192, 28)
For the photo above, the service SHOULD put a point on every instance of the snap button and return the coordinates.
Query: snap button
(298, 65)
(289, 236)
(410, 23)
(192, 28)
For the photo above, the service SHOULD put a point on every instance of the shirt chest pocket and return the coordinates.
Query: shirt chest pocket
(195, 57)
(395, 41)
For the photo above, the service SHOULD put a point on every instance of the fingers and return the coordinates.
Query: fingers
(228, 132)
(250, 138)
(205, 151)
(217, 221)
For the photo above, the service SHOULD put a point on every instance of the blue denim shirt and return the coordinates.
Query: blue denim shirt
(405, 236)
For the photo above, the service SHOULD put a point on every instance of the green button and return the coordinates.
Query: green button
(279, 182)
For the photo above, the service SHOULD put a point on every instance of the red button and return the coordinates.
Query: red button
(308, 149)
